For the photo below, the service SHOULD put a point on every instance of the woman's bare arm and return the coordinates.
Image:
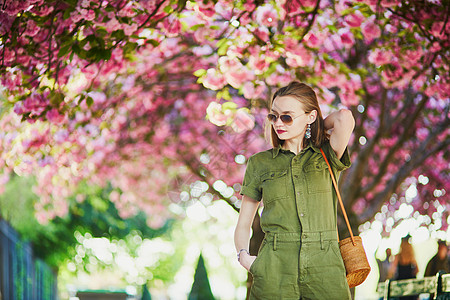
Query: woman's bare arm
(247, 213)
(342, 124)
(393, 268)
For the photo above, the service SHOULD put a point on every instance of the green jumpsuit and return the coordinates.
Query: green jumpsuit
(299, 257)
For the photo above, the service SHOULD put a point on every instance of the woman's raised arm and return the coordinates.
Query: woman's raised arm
(342, 124)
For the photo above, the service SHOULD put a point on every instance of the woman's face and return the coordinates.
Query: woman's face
(287, 105)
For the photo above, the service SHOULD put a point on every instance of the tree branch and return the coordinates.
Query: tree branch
(352, 185)
(408, 131)
(418, 157)
(311, 22)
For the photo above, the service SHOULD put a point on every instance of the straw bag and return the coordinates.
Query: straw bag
(352, 251)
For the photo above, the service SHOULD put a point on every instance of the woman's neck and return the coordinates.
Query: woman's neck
(294, 145)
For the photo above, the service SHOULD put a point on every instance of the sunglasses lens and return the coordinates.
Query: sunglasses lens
(272, 118)
(287, 119)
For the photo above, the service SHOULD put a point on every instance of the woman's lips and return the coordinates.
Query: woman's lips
(279, 131)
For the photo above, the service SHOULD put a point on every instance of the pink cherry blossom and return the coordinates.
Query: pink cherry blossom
(262, 33)
(298, 58)
(380, 57)
(327, 96)
(54, 117)
(347, 37)
(236, 78)
(259, 64)
(151, 115)
(207, 9)
(214, 80)
(215, 115)
(251, 91)
(266, 15)
(172, 26)
(355, 19)
(315, 40)
(370, 29)
(32, 28)
(242, 121)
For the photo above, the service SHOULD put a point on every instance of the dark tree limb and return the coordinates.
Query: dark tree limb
(408, 132)
(418, 157)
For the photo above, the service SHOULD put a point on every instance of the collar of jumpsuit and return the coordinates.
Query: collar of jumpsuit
(279, 148)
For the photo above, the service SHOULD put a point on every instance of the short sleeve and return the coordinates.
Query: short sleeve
(251, 186)
(338, 164)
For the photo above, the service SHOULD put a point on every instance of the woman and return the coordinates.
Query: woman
(405, 265)
(299, 257)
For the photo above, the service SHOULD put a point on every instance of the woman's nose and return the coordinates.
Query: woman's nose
(278, 122)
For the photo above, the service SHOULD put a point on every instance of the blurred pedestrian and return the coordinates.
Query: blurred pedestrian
(384, 266)
(439, 262)
(404, 265)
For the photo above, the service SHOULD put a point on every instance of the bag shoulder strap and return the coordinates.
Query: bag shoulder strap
(339, 198)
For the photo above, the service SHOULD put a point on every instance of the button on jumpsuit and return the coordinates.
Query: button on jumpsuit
(299, 257)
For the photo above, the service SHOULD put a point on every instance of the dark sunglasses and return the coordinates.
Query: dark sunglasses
(286, 119)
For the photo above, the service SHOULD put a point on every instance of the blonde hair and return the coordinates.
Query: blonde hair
(406, 254)
(307, 97)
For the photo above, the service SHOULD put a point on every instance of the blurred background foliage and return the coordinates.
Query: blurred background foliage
(92, 246)
(96, 216)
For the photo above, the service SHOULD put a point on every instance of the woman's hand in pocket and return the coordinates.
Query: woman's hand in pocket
(246, 260)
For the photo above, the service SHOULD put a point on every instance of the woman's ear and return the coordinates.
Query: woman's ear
(312, 116)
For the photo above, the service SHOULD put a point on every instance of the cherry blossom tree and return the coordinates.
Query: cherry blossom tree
(118, 91)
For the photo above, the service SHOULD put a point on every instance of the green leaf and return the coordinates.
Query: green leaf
(332, 28)
(64, 50)
(72, 3)
(154, 43)
(101, 32)
(92, 53)
(226, 95)
(347, 11)
(110, 8)
(223, 49)
(105, 54)
(363, 72)
(66, 14)
(89, 101)
(124, 20)
(81, 99)
(100, 42)
(168, 9)
(229, 105)
(129, 47)
(181, 5)
(222, 42)
(118, 34)
(76, 48)
(91, 39)
(200, 72)
(197, 26)
(56, 98)
(358, 34)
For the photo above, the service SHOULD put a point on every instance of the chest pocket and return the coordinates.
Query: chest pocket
(318, 179)
(274, 185)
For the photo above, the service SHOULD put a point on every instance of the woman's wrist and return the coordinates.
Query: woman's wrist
(241, 252)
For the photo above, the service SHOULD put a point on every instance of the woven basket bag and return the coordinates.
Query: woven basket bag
(352, 251)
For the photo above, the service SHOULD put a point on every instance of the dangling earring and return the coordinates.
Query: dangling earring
(308, 132)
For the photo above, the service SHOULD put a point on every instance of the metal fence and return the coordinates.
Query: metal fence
(23, 277)
(438, 286)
